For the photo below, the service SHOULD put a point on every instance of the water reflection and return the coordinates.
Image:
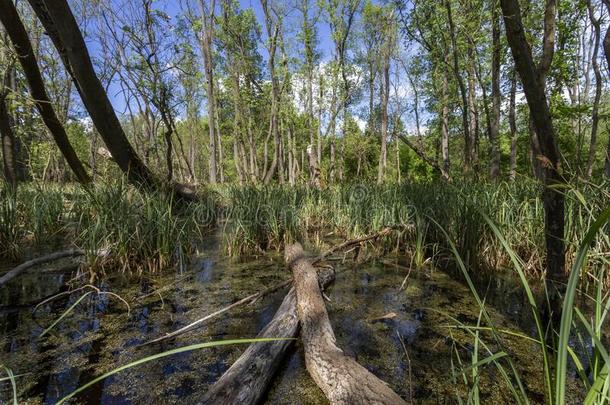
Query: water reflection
(99, 335)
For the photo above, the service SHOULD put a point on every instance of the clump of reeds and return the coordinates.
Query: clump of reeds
(46, 208)
(120, 227)
(262, 218)
(135, 231)
(575, 346)
(11, 230)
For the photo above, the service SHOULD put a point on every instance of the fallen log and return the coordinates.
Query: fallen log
(246, 381)
(39, 260)
(340, 377)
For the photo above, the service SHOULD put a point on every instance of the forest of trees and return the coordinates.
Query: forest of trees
(329, 91)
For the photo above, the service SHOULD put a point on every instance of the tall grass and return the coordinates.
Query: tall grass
(136, 231)
(142, 233)
(139, 232)
(586, 336)
(11, 233)
(261, 218)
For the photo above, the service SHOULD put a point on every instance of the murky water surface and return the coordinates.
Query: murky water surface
(413, 348)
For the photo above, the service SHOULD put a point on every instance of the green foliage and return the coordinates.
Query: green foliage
(572, 340)
(119, 227)
(261, 218)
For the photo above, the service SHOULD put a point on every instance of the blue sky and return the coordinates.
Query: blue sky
(291, 27)
(325, 45)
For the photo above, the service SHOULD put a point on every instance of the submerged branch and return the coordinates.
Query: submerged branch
(23, 267)
(215, 314)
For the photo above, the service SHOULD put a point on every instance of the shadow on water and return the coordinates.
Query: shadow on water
(369, 314)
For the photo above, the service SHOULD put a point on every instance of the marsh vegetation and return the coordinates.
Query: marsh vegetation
(176, 175)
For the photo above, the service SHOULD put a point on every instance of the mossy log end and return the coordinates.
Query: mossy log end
(248, 379)
(340, 377)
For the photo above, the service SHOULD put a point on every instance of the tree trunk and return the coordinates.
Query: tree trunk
(607, 53)
(553, 199)
(398, 173)
(548, 50)
(340, 377)
(238, 167)
(331, 168)
(273, 31)
(607, 164)
(8, 143)
(462, 87)
(385, 96)
(292, 158)
(445, 122)
(206, 42)
(512, 122)
(598, 88)
(473, 155)
(7, 136)
(314, 169)
(372, 74)
(220, 163)
(19, 37)
(62, 28)
(308, 43)
(494, 132)
(319, 123)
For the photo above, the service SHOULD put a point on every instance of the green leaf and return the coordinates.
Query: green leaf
(568, 307)
(165, 354)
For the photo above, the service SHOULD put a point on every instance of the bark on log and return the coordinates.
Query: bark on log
(248, 378)
(340, 377)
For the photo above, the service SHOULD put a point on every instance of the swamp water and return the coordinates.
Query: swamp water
(100, 335)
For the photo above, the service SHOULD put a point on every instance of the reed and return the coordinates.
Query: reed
(138, 231)
(11, 231)
(576, 333)
(262, 218)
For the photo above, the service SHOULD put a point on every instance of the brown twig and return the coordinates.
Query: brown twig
(23, 267)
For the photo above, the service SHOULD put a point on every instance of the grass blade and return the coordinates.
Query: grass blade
(568, 307)
(165, 354)
(66, 312)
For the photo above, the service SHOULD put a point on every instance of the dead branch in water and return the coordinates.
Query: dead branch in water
(356, 241)
(215, 314)
(23, 267)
